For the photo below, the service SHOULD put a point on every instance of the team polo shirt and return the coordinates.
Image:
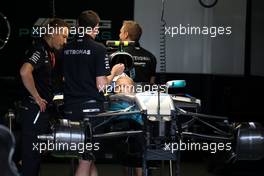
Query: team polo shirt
(144, 63)
(83, 60)
(42, 58)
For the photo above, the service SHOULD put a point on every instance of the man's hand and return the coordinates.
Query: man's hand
(102, 81)
(42, 103)
(117, 69)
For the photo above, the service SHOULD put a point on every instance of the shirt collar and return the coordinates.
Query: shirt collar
(46, 46)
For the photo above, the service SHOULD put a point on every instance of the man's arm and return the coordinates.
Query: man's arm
(103, 81)
(28, 81)
(117, 69)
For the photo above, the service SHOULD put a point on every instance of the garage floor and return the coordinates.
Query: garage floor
(188, 168)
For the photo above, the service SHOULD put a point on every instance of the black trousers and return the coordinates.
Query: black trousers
(31, 156)
(86, 110)
(82, 110)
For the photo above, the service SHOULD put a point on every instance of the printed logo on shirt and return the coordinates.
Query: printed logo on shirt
(77, 52)
(107, 63)
(140, 64)
(141, 58)
(35, 57)
(141, 61)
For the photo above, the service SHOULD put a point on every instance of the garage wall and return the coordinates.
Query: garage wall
(223, 54)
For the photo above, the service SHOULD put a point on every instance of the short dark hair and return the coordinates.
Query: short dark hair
(57, 22)
(88, 18)
(133, 29)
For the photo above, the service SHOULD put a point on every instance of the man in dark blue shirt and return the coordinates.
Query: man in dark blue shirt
(86, 71)
(84, 62)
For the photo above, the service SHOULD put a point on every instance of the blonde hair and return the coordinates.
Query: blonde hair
(133, 29)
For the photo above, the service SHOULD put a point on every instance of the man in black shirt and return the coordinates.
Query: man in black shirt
(144, 62)
(86, 71)
(36, 76)
(145, 71)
